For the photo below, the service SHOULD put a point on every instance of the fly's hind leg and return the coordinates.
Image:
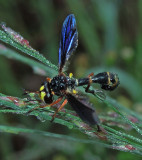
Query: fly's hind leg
(90, 81)
(98, 93)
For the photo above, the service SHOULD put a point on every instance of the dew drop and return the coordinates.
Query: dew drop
(41, 118)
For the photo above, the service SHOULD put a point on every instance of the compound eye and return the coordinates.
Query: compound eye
(62, 86)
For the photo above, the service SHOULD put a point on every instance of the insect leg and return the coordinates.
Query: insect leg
(62, 105)
(97, 92)
(25, 92)
(100, 94)
(90, 81)
(90, 75)
(32, 96)
(53, 103)
(48, 79)
(49, 105)
(99, 128)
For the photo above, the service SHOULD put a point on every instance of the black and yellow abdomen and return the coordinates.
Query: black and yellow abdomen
(108, 80)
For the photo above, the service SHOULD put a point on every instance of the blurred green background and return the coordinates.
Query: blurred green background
(110, 39)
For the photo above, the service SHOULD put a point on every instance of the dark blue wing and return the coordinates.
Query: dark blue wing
(68, 41)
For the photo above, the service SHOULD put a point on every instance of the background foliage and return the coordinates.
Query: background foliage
(109, 39)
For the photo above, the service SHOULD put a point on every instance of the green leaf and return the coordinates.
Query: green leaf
(67, 118)
(38, 68)
(109, 137)
(9, 39)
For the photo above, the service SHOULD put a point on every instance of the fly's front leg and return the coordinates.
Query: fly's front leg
(25, 92)
(32, 96)
(48, 105)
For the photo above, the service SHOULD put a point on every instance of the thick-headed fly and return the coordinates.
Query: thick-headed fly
(65, 86)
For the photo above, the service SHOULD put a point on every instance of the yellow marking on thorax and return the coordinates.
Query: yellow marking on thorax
(42, 95)
(70, 75)
(41, 88)
(74, 91)
(52, 92)
(76, 82)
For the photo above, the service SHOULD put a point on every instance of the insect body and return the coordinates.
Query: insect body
(65, 86)
(62, 84)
